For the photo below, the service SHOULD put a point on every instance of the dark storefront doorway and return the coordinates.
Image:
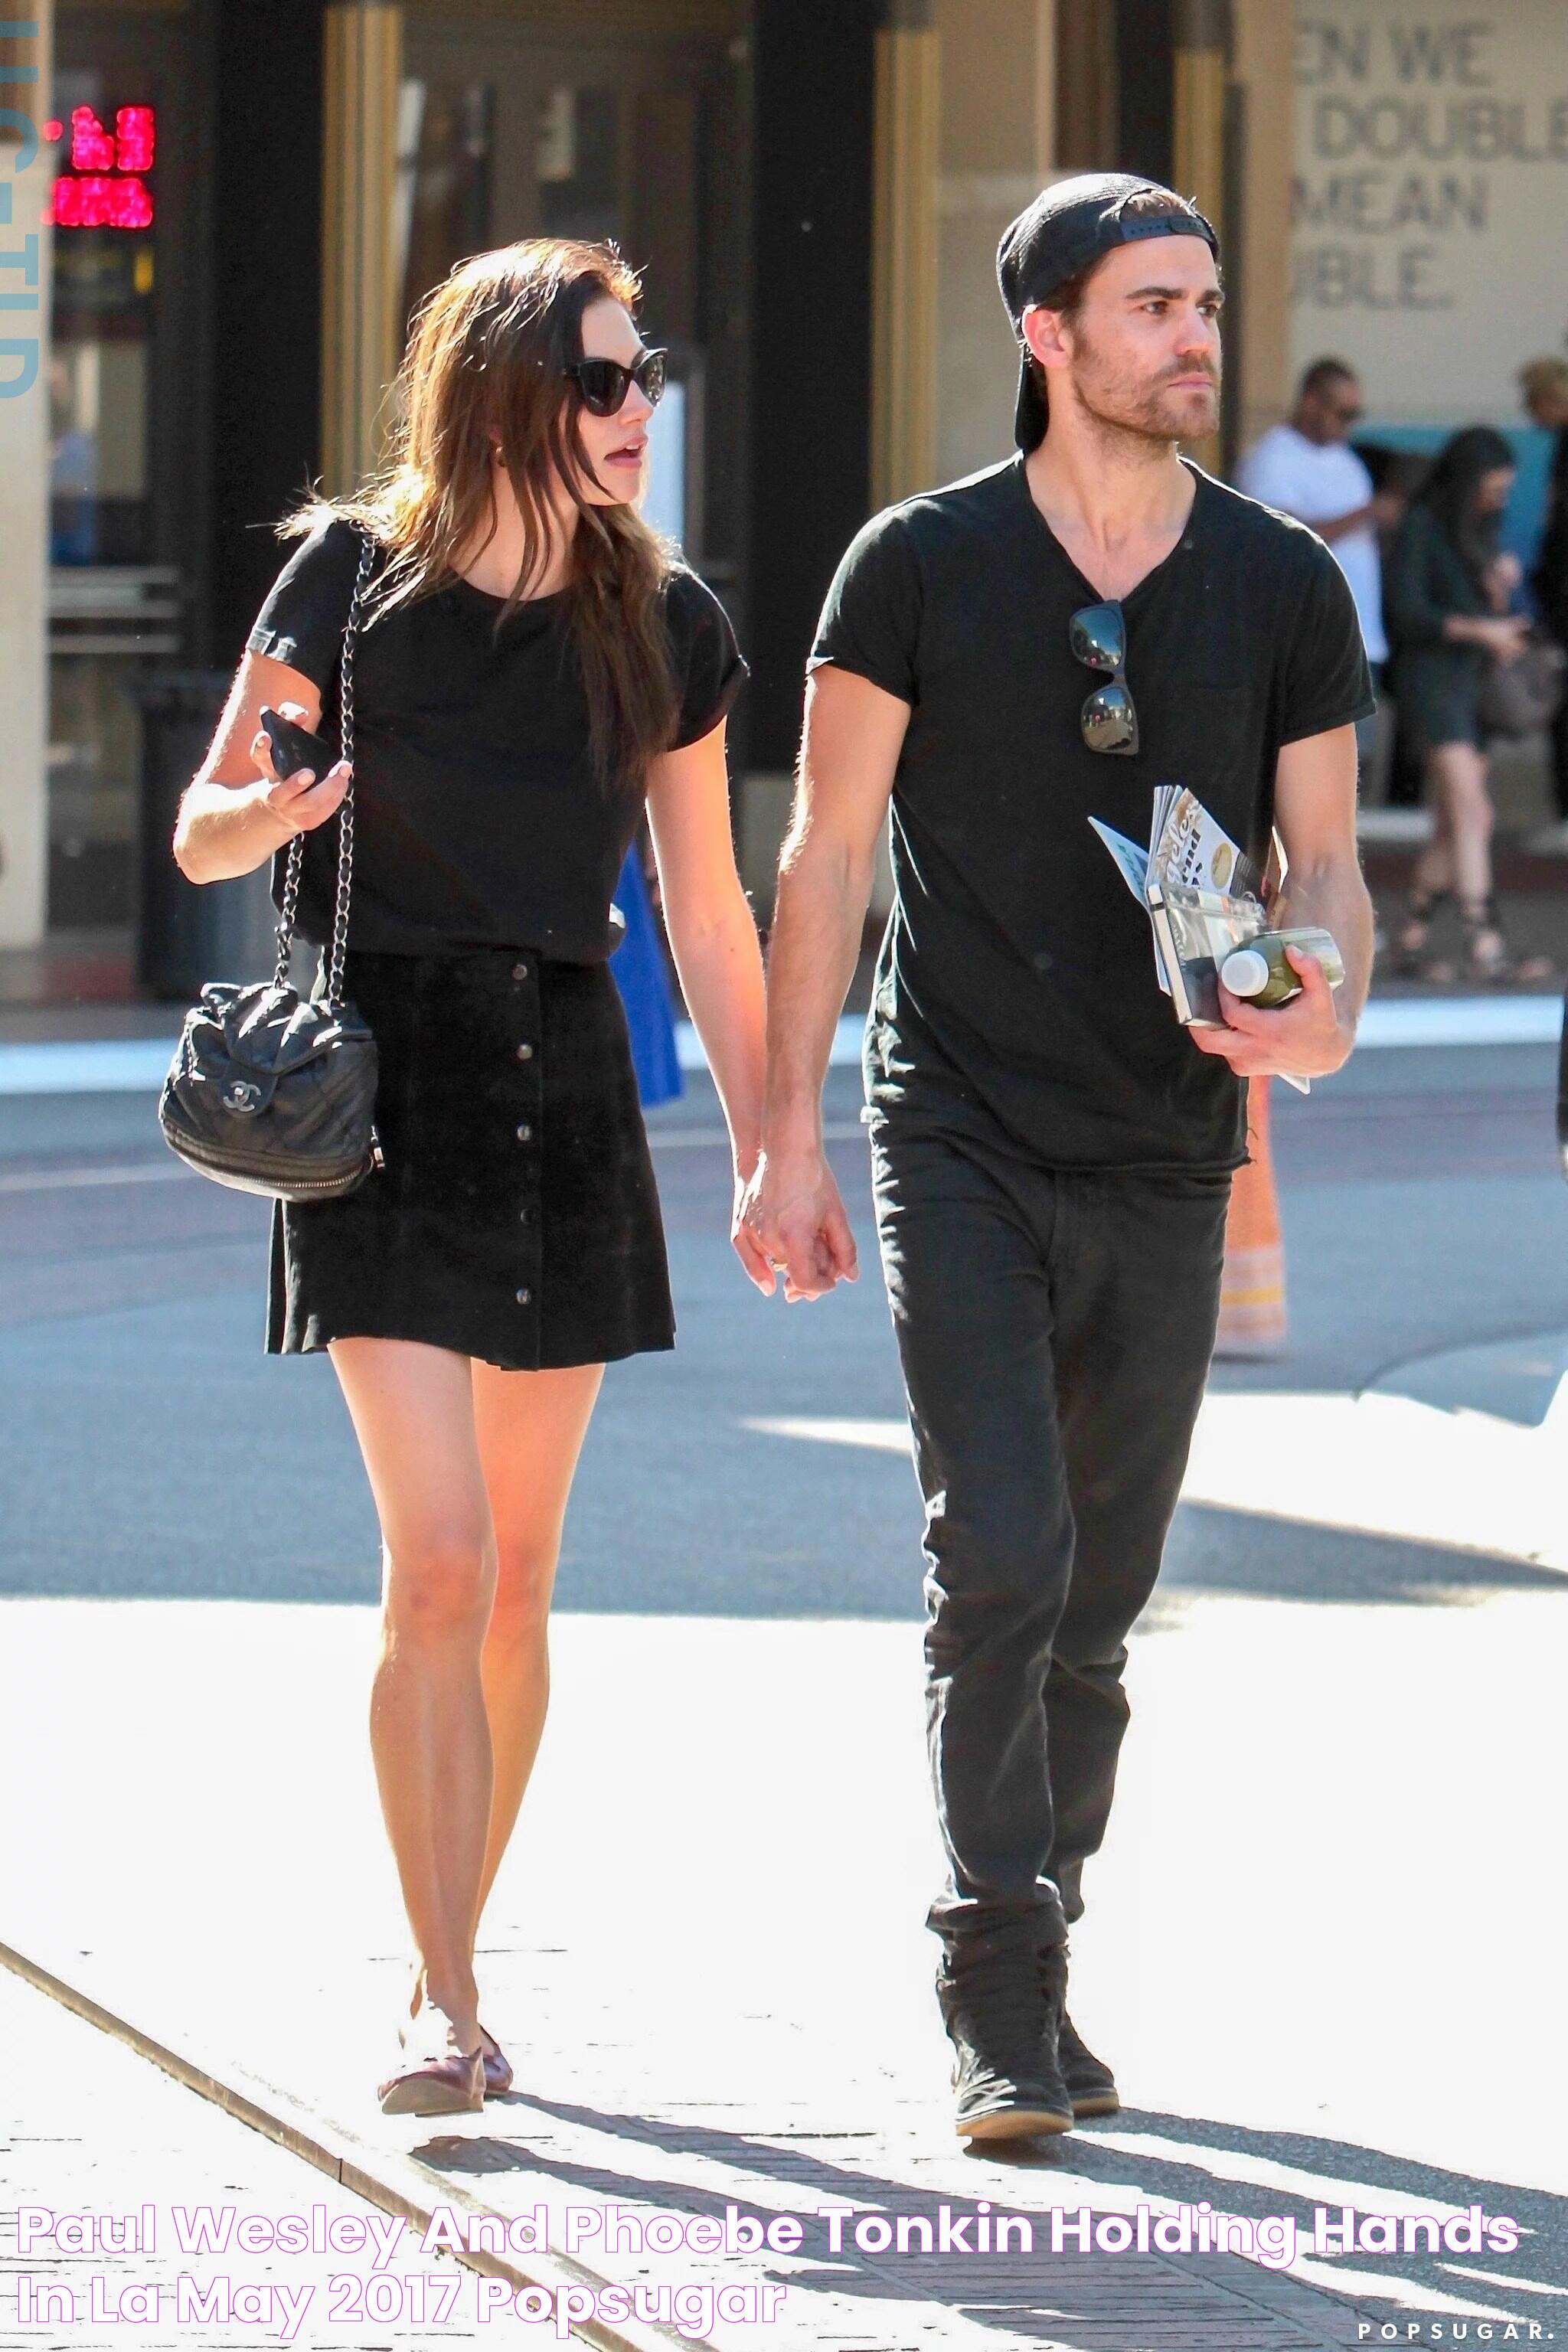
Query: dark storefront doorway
(126, 408)
(627, 123)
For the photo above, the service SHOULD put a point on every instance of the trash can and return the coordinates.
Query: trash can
(190, 933)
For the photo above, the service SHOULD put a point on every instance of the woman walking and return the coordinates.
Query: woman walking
(533, 666)
(1448, 595)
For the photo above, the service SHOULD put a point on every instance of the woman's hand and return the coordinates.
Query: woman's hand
(1503, 637)
(743, 1242)
(301, 801)
(1503, 576)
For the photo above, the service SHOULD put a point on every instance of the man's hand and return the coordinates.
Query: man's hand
(1302, 1039)
(793, 1224)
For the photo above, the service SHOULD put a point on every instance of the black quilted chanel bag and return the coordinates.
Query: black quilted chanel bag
(269, 1091)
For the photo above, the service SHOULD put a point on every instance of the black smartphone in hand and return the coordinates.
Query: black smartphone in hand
(294, 746)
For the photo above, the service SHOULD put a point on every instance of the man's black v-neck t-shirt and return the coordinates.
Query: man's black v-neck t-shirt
(478, 819)
(1016, 992)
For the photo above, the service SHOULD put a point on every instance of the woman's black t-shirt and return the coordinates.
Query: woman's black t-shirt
(478, 819)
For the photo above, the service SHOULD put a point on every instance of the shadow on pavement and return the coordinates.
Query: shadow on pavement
(1216, 1551)
(823, 1561)
(1179, 2159)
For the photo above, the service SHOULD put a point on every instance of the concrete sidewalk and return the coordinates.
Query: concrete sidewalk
(706, 1960)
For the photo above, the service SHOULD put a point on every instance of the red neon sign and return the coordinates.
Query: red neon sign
(105, 188)
(135, 136)
(95, 200)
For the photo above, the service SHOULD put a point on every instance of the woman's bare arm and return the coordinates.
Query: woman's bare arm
(237, 810)
(713, 938)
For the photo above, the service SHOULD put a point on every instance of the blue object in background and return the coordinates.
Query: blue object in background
(637, 965)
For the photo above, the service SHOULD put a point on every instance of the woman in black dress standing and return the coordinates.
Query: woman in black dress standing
(533, 665)
(1446, 600)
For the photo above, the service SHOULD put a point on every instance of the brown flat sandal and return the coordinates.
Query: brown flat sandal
(1494, 967)
(454, 2085)
(1408, 956)
(496, 2065)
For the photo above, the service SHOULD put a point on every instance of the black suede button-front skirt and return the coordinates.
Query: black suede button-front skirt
(516, 1218)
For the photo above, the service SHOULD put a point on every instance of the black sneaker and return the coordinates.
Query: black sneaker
(1091, 2084)
(1003, 2032)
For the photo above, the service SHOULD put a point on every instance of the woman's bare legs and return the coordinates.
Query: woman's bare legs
(1459, 793)
(529, 1427)
(1461, 779)
(1460, 845)
(470, 1468)
(413, 1411)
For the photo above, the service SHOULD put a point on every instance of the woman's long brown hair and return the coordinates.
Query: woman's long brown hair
(484, 366)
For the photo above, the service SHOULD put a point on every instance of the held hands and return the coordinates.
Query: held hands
(790, 1224)
(1302, 1038)
(298, 801)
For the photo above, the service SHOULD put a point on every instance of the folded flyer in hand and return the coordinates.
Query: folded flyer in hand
(1201, 894)
(1218, 907)
(1186, 846)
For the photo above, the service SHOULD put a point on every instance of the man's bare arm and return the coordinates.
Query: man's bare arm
(1314, 806)
(849, 753)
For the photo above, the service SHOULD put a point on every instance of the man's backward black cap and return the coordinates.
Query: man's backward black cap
(1065, 228)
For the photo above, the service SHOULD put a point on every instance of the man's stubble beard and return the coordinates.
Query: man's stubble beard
(1131, 417)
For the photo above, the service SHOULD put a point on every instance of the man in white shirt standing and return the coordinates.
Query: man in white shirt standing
(1307, 468)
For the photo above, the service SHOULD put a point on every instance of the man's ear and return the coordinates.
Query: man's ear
(1043, 332)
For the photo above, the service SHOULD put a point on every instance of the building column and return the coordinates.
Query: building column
(1202, 68)
(1264, 30)
(999, 148)
(1048, 145)
(363, 64)
(904, 253)
(26, 174)
(1199, 145)
(1086, 86)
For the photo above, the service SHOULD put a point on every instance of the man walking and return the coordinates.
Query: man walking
(1002, 660)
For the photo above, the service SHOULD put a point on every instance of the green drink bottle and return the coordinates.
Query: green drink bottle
(1260, 973)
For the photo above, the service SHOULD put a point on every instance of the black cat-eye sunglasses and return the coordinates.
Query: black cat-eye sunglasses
(604, 383)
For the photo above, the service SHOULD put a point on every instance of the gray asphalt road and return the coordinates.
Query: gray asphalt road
(1270, 1950)
(148, 1446)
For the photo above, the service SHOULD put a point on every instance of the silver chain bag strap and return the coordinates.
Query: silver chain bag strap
(268, 1091)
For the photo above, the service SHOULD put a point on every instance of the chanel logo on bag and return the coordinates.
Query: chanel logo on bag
(242, 1095)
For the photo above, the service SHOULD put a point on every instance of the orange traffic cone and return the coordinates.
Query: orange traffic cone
(1252, 1294)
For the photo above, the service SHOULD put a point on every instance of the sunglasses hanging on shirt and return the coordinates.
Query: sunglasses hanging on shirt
(604, 383)
(1098, 635)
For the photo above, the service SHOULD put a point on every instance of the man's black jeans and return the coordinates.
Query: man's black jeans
(1056, 1327)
